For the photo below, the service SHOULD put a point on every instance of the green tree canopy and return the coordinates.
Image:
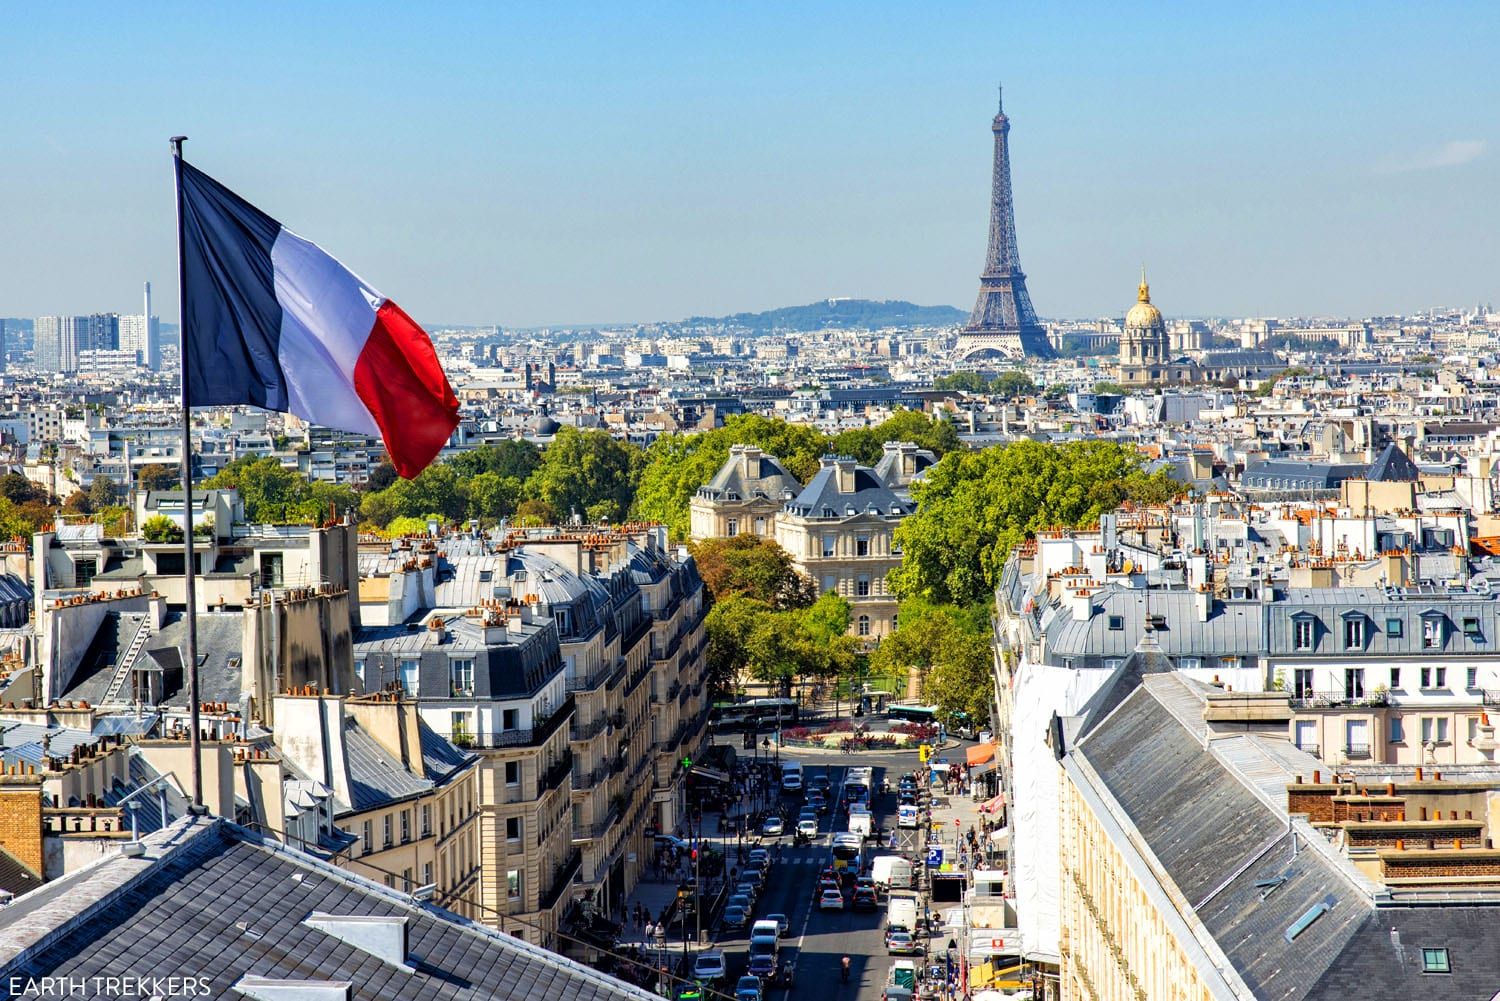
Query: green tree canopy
(755, 567)
(271, 492)
(950, 647)
(867, 444)
(1013, 384)
(102, 492)
(589, 472)
(158, 477)
(975, 506)
(676, 465)
(515, 459)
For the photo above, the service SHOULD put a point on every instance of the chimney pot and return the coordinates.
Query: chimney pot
(1317, 777)
(1458, 844)
(1390, 788)
(1400, 844)
(1419, 773)
(1437, 776)
(1422, 814)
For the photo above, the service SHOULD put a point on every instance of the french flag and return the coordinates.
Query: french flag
(273, 321)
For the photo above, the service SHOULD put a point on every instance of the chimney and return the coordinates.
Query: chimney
(437, 631)
(1203, 602)
(1082, 604)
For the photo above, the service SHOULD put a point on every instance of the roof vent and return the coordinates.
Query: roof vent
(381, 936)
(263, 989)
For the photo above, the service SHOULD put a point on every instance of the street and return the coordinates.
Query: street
(819, 939)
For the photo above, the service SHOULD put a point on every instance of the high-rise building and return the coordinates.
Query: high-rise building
(142, 335)
(1003, 322)
(4, 345)
(60, 339)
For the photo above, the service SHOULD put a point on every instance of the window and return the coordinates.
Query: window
(512, 773)
(1441, 674)
(1426, 729)
(862, 546)
(426, 820)
(1471, 678)
(864, 625)
(410, 671)
(512, 828)
(1302, 633)
(1116, 623)
(1354, 633)
(1434, 729)
(386, 829)
(1302, 682)
(1435, 961)
(406, 879)
(830, 545)
(367, 838)
(1395, 678)
(84, 571)
(862, 586)
(1397, 735)
(460, 731)
(359, 672)
(1432, 633)
(1354, 683)
(461, 676)
(1471, 630)
(1473, 728)
(510, 719)
(760, 526)
(270, 570)
(1442, 730)
(1306, 734)
(1394, 627)
(1357, 738)
(405, 826)
(513, 882)
(426, 873)
(830, 584)
(1435, 677)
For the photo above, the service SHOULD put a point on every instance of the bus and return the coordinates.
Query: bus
(857, 784)
(754, 715)
(912, 713)
(846, 851)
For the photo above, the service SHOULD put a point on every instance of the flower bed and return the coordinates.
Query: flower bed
(841, 735)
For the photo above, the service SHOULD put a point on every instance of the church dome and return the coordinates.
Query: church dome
(1143, 314)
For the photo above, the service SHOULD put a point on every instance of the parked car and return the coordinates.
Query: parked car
(774, 827)
(709, 968)
(735, 916)
(831, 900)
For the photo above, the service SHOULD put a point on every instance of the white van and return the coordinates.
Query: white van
(791, 776)
(901, 910)
(860, 821)
(891, 872)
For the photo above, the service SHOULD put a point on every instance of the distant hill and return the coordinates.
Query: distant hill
(867, 314)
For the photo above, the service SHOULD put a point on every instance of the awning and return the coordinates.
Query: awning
(1000, 838)
(992, 805)
(980, 753)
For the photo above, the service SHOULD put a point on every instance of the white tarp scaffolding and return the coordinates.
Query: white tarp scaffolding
(1039, 692)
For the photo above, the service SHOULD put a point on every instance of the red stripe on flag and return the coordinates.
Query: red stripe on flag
(398, 377)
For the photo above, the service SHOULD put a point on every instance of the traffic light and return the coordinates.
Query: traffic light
(687, 762)
(695, 854)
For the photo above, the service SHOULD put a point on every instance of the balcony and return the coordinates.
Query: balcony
(529, 737)
(672, 691)
(554, 776)
(592, 680)
(589, 730)
(587, 780)
(562, 878)
(1357, 752)
(1313, 749)
(1333, 700)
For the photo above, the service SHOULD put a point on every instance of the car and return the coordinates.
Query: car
(894, 993)
(748, 989)
(865, 899)
(827, 882)
(766, 928)
(709, 968)
(690, 992)
(667, 841)
(865, 883)
(735, 916)
(741, 900)
(763, 957)
(830, 899)
(747, 889)
(783, 923)
(807, 828)
(901, 943)
(774, 827)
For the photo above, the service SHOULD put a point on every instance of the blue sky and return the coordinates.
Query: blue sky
(526, 164)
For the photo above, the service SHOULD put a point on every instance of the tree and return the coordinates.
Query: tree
(158, 477)
(588, 472)
(102, 492)
(950, 648)
(1013, 384)
(382, 475)
(728, 629)
(271, 492)
(492, 496)
(514, 458)
(676, 465)
(961, 382)
(1103, 388)
(868, 444)
(401, 527)
(974, 506)
(533, 512)
(19, 490)
(160, 528)
(754, 567)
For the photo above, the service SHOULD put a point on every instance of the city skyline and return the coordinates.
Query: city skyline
(739, 163)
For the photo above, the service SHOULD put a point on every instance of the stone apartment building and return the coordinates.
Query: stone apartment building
(744, 497)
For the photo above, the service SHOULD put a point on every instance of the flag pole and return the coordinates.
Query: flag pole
(189, 563)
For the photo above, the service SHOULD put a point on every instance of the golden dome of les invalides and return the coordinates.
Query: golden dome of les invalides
(1143, 315)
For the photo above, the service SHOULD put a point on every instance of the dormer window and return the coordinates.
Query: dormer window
(1354, 632)
(1302, 632)
(1432, 631)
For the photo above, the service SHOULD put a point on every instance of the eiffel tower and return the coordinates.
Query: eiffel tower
(1003, 321)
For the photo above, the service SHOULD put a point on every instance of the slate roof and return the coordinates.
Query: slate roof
(440, 758)
(212, 900)
(376, 778)
(822, 498)
(220, 640)
(1290, 474)
(1206, 812)
(1392, 465)
(16, 877)
(743, 478)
